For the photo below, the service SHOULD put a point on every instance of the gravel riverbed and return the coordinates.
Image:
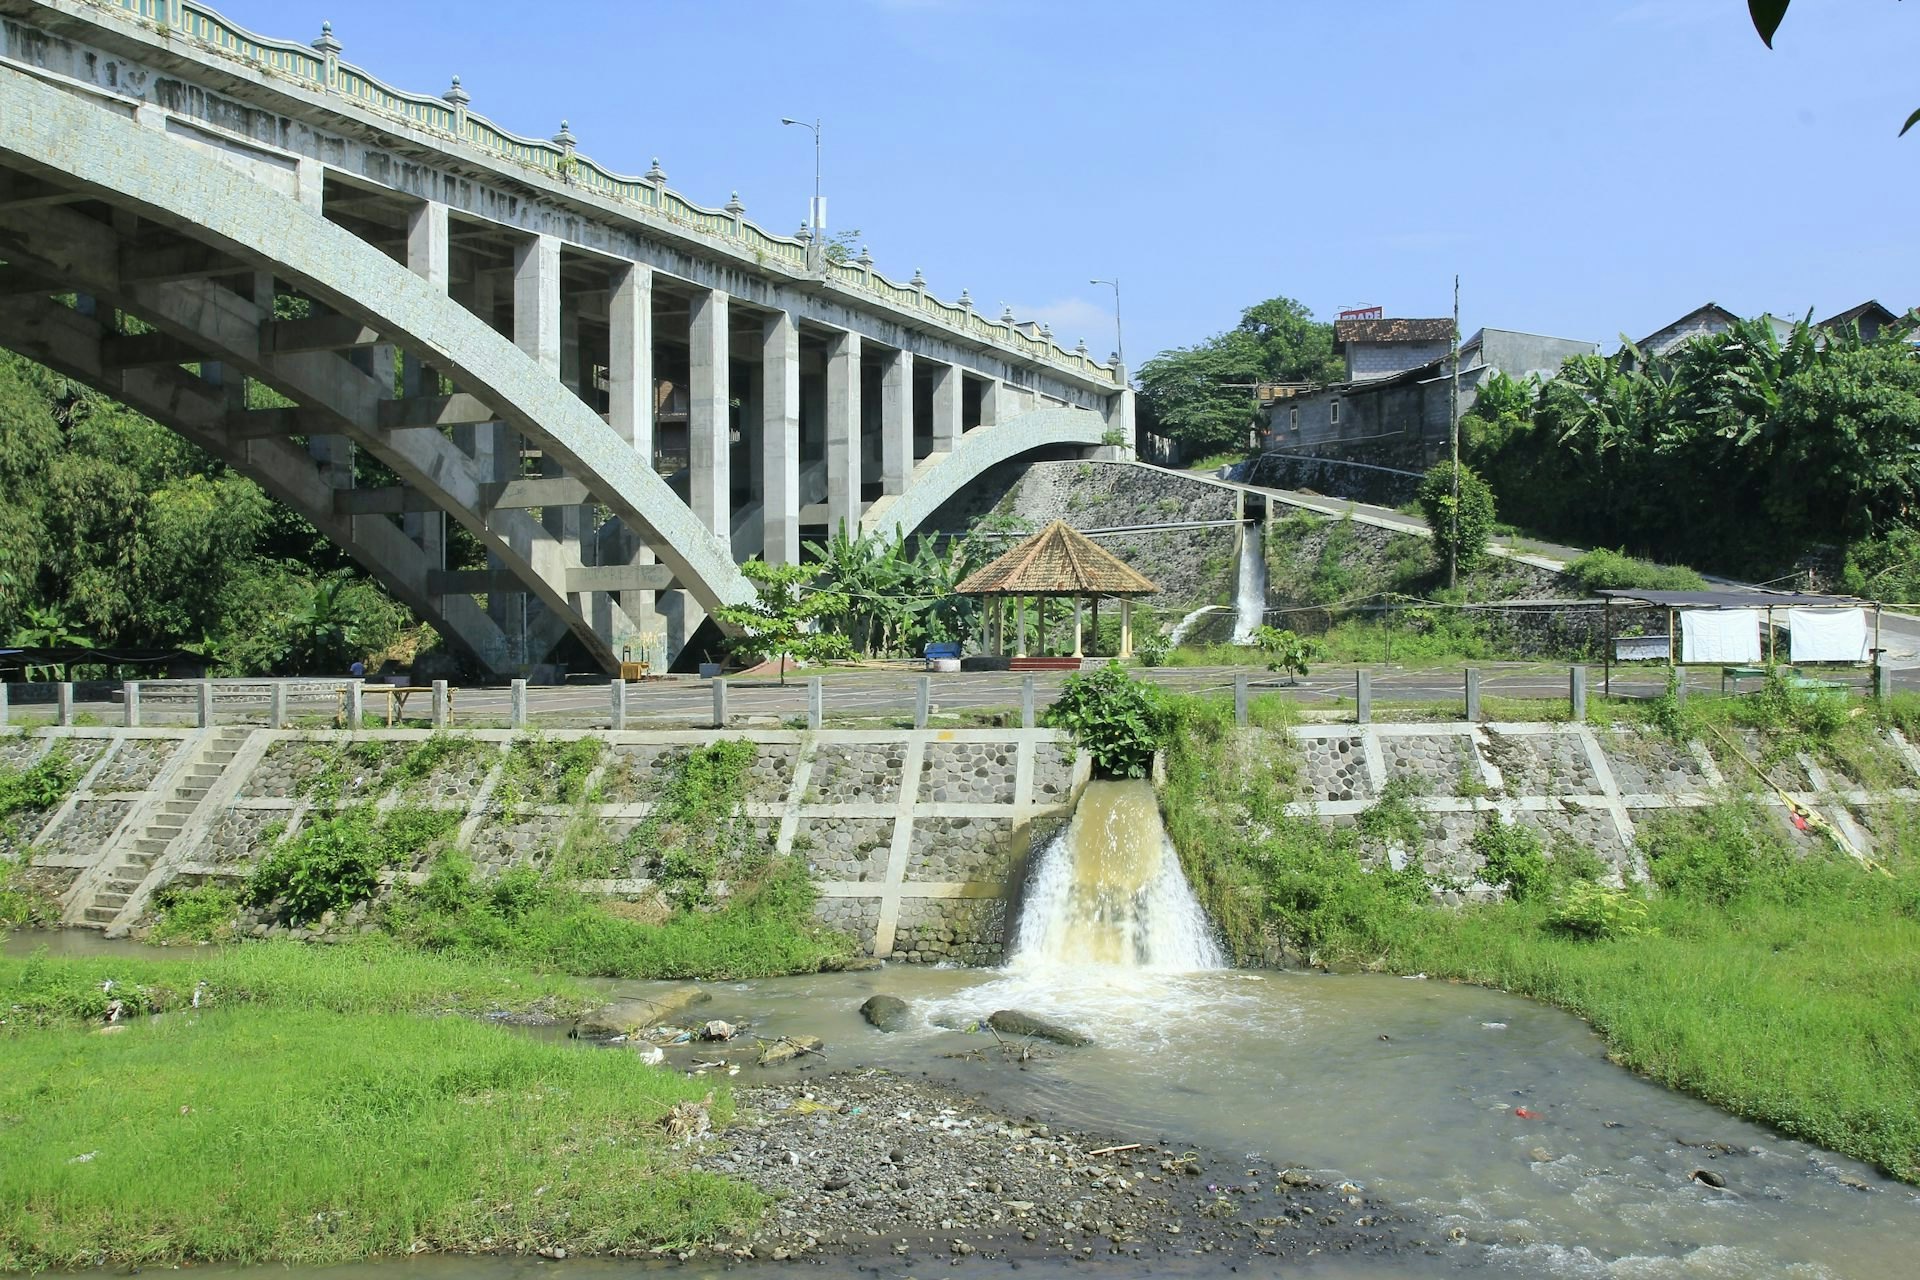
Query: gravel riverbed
(869, 1162)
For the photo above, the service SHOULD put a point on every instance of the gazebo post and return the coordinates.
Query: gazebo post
(1078, 638)
(1095, 624)
(1770, 655)
(1020, 627)
(1126, 627)
(1040, 605)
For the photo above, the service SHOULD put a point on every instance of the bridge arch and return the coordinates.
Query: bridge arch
(942, 475)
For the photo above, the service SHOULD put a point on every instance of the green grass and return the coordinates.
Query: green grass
(372, 975)
(1779, 983)
(765, 928)
(301, 1136)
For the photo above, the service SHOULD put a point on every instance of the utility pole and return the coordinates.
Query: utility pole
(1453, 434)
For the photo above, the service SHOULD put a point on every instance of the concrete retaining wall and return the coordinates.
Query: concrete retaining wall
(917, 838)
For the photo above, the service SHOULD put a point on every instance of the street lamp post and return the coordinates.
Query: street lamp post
(1119, 346)
(817, 212)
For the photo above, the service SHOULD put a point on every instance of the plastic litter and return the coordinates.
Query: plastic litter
(1525, 1114)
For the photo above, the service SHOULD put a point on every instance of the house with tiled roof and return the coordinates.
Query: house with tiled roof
(1382, 347)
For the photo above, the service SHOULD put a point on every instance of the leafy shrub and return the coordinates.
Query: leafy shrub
(200, 913)
(699, 824)
(1154, 649)
(335, 860)
(1709, 855)
(1588, 910)
(1604, 570)
(1475, 524)
(22, 904)
(1113, 717)
(1285, 651)
(41, 785)
(1513, 858)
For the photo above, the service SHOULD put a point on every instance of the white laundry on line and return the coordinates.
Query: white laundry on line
(1719, 635)
(1828, 635)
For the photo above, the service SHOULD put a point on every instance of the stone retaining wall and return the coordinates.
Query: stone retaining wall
(916, 838)
(1594, 786)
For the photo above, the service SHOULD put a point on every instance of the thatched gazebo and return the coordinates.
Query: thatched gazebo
(1059, 561)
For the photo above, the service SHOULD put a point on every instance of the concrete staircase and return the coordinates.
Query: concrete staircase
(123, 884)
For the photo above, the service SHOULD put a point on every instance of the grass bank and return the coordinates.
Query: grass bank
(1779, 982)
(307, 1113)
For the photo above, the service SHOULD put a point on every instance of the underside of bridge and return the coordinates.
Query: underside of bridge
(529, 442)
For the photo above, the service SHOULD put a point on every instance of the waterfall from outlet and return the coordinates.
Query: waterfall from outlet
(1250, 601)
(1108, 892)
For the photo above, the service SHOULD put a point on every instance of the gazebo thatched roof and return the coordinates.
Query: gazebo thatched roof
(1057, 561)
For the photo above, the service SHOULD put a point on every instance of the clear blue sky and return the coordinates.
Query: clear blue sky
(1588, 168)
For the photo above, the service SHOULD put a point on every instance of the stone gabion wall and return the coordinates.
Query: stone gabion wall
(915, 838)
(1570, 782)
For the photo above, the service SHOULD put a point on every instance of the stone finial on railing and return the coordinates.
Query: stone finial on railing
(1006, 315)
(1113, 360)
(655, 174)
(329, 50)
(919, 282)
(1081, 349)
(865, 260)
(1046, 332)
(458, 98)
(738, 212)
(965, 301)
(565, 139)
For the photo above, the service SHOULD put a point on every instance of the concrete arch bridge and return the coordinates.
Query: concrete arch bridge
(620, 395)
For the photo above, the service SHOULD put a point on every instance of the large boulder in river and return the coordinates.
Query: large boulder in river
(1011, 1022)
(889, 1013)
(631, 1014)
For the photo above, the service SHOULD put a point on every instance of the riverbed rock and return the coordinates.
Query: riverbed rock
(633, 1014)
(1011, 1022)
(787, 1048)
(887, 1013)
(1709, 1177)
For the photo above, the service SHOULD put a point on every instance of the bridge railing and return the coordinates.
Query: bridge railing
(319, 66)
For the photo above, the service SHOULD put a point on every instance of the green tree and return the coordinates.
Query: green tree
(1285, 650)
(1203, 395)
(784, 617)
(1460, 541)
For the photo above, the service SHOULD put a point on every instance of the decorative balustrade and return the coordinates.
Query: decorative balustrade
(319, 66)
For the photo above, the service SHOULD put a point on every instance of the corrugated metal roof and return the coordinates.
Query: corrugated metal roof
(1751, 598)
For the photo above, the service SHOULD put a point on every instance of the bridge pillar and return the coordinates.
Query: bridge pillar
(948, 408)
(708, 414)
(843, 434)
(630, 400)
(896, 422)
(991, 408)
(780, 439)
(428, 258)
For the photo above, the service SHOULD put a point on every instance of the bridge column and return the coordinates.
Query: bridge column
(427, 257)
(1119, 410)
(708, 413)
(780, 439)
(896, 422)
(536, 331)
(948, 407)
(992, 393)
(843, 433)
(630, 399)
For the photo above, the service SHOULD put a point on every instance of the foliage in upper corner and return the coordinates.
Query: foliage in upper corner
(1767, 16)
(1114, 717)
(784, 618)
(1465, 538)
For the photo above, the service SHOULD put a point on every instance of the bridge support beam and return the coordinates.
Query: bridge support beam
(708, 413)
(427, 257)
(949, 407)
(843, 434)
(896, 422)
(780, 439)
